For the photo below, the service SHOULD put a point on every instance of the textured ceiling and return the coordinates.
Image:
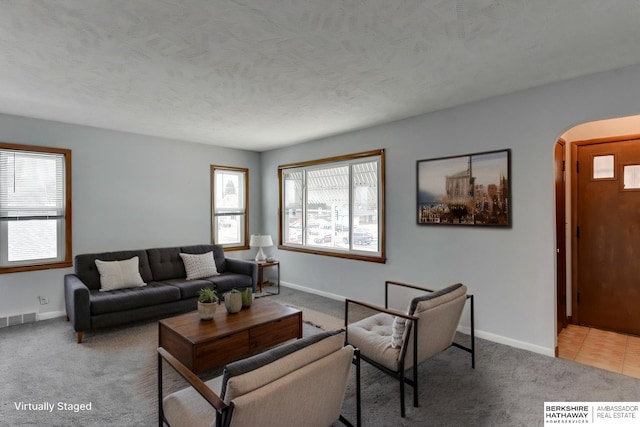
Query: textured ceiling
(259, 74)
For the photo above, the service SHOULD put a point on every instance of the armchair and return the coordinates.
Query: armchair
(299, 383)
(388, 339)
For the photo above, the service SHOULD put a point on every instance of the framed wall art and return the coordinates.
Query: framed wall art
(474, 189)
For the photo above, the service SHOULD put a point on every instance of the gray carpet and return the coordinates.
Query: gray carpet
(115, 370)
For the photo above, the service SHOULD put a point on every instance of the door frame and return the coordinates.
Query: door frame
(561, 234)
(575, 220)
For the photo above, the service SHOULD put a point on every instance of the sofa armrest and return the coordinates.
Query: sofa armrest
(242, 266)
(76, 298)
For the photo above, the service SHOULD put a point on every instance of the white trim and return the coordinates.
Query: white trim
(312, 291)
(464, 329)
(51, 315)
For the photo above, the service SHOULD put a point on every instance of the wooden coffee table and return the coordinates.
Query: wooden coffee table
(204, 344)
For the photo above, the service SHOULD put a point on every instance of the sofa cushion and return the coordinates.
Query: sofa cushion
(119, 274)
(188, 288)
(199, 266)
(166, 264)
(86, 270)
(218, 254)
(127, 299)
(227, 281)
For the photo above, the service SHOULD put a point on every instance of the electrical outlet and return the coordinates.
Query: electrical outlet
(44, 300)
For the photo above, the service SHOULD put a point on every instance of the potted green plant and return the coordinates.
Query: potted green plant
(233, 301)
(207, 301)
(247, 297)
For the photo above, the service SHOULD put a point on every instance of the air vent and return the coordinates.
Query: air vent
(29, 317)
(15, 320)
(18, 319)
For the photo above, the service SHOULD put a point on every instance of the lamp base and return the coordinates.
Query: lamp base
(260, 256)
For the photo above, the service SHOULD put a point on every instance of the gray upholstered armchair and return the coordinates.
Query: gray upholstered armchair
(388, 339)
(299, 383)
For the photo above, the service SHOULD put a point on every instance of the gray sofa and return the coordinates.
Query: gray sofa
(167, 290)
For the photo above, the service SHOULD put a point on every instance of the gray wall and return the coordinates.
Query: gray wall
(132, 191)
(129, 192)
(511, 271)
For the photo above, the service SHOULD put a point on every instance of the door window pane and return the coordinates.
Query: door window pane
(603, 167)
(631, 176)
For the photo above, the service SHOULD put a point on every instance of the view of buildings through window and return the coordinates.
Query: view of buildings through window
(229, 222)
(333, 206)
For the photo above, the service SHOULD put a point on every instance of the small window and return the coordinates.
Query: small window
(35, 208)
(631, 177)
(603, 167)
(229, 216)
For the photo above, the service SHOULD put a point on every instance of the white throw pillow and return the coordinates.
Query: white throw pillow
(119, 274)
(199, 266)
(397, 331)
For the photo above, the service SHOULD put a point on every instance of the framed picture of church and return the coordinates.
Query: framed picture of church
(474, 189)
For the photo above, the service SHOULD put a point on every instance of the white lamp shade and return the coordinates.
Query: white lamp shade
(260, 240)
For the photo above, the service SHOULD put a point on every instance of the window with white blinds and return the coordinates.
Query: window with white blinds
(34, 222)
(230, 199)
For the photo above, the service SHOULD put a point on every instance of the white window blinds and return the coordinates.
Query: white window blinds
(31, 185)
(32, 207)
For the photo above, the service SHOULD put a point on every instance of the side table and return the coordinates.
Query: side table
(266, 264)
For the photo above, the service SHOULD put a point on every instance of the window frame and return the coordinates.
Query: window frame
(67, 260)
(244, 244)
(350, 159)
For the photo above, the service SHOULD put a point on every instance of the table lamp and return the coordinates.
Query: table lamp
(260, 241)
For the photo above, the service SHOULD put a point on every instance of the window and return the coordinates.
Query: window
(334, 206)
(603, 167)
(229, 217)
(631, 177)
(35, 208)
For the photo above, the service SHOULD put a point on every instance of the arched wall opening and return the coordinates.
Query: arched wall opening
(610, 129)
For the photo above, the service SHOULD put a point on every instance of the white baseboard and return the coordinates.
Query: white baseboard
(312, 291)
(51, 315)
(464, 329)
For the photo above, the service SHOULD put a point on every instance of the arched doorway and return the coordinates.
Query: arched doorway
(593, 252)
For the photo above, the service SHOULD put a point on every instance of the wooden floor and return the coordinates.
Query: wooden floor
(606, 350)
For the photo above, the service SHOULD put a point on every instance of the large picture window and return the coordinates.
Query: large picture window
(334, 206)
(229, 218)
(35, 208)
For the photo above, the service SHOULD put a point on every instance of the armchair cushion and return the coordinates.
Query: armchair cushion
(187, 407)
(372, 335)
(432, 299)
(248, 374)
(299, 383)
(397, 331)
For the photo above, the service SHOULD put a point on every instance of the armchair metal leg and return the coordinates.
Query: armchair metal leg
(358, 390)
(402, 411)
(415, 385)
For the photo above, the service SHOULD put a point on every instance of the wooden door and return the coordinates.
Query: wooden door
(608, 235)
(561, 247)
